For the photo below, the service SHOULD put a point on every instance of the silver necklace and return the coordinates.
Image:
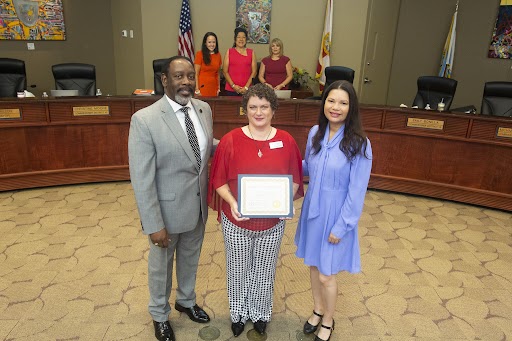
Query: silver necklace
(260, 154)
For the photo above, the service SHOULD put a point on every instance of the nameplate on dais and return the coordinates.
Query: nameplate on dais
(10, 114)
(97, 110)
(504, 132)
(424, 123)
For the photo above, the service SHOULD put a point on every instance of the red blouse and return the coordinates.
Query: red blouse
(238, 154)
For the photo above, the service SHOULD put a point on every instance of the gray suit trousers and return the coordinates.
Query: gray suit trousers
(187, 246)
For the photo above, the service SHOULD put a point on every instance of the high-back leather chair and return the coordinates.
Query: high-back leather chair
(256, 79)
(497, 99)
(336, 73)
(75, 76)
(158, 65)
(433, 89)
(13, 77)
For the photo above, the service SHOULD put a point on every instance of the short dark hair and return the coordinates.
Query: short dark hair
(238, 30)
(165, 68)
(261, 91)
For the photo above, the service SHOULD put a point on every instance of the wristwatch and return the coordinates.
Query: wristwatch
(246, 88)
(197, 92)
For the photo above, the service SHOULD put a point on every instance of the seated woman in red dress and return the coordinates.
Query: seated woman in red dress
(207, 64)
(252, 245)
(276, 70)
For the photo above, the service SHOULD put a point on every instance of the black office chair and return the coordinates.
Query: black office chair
(433, 89)
(75, 76)
(497, 99)
(13, 77)
(256, 79)
(336, 73)
(158, 65)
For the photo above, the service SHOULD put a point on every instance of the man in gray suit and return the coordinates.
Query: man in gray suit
(169, 146)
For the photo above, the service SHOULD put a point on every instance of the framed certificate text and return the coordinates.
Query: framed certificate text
(265, 195)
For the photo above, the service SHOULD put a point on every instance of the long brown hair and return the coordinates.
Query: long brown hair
(354, 139)
(206, 53)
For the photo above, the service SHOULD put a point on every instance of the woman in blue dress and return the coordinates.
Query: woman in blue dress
(338, 161)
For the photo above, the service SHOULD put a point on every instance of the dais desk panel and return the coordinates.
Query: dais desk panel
(458, 157)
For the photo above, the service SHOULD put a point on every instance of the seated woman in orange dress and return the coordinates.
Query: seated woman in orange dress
(207, 64)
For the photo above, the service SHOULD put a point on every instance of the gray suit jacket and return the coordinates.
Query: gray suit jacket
(169, 190)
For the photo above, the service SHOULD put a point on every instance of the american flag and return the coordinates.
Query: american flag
(185, 38)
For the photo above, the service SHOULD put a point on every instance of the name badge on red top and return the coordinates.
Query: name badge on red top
(276, 144)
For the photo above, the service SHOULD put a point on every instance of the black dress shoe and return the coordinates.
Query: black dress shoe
(260, 326)
(309, 328)
(195, 313)
(237, 328)
(163, 331)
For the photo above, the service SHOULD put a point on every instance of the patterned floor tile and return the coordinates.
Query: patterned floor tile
(73, 265)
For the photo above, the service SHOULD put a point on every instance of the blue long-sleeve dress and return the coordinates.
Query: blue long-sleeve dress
(333, 204)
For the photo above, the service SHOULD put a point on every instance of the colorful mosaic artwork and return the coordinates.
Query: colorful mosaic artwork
(254, 15)
(501, 44)
(31, 20)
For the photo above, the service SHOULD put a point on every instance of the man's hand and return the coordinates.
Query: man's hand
(160, 238)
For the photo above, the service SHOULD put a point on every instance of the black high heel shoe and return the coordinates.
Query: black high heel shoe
(309, 328)
(260, 326)
(237, 327)
(331, 328)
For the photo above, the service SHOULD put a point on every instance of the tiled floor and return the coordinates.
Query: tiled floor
(73, 265)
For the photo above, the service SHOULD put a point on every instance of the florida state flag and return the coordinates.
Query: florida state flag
(324, 56)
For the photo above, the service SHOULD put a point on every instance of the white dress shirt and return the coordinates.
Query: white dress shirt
(201, 136)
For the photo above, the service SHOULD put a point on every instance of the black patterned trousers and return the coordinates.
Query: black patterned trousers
(251, 258)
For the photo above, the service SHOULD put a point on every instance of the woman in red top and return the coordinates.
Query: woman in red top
(239, 65)
(276, 70)
(252, 245)
(207, 65)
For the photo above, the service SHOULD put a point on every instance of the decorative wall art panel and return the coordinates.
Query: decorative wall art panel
(31, 20)
(254, 16)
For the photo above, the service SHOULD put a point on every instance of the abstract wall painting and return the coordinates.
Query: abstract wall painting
(501, 43)
(254, 16)
(32, 20)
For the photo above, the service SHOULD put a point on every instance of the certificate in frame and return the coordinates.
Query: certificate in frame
(265, 195)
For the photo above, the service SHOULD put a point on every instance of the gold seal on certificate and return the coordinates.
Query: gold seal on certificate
(265, 195)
